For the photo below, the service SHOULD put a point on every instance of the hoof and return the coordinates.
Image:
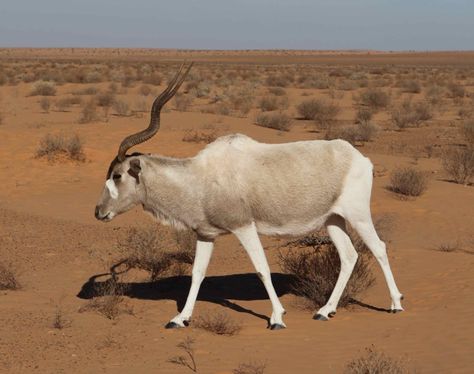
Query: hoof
(277, 326)
(172, 325)
(396, 311)
(402, 297)
(332, 314)
(320, 317)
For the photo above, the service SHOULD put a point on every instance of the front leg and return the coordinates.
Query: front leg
(201, 261)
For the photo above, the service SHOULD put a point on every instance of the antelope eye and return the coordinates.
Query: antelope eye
(116, 177)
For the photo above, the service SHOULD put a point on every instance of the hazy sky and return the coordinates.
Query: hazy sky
(239, 24)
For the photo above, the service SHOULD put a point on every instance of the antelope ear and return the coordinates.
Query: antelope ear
(135, 169)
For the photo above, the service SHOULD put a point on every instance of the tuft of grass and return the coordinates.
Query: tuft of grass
(448, 247)
(199, 137)
(54, 146)
(8, 280)
(188, 360)
(150, 250)
(88, 112)
(316, 267)
(111, 304)
(250, 367)
(59, 320)
(375, 362)
(45, 104)
(43, 88)
(408, 181)
(219, 323)
(363, 115)
(278, 121)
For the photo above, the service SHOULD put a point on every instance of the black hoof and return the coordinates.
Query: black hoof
(396, 311)
(320, 317)
(402, 297)
(277, 326)
(172, 325)
(332, 314)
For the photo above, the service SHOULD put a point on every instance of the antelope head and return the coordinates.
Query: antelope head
(123, 189)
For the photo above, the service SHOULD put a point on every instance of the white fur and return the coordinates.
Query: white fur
(113, 191)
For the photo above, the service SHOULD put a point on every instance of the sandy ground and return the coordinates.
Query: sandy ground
(49, 234)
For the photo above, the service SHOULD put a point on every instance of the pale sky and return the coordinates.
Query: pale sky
(240, 24)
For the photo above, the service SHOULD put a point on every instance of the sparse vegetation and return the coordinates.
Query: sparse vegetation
(59, 320)
(45, 104)
(187, 345)
(88, 112)
(250, 367)
(43, 88)
(182, 102)
(375, 362)
(8, 279)
(59, 146)
(411, 115)
(219, 323)
(315, 265)
(322, 112)
(111, 304)
(408, 181)
(121, 108)
(374, 98)
(277, 120)
(459, 164)
(157, 252)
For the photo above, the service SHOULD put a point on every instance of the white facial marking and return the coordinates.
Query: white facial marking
(110, 184)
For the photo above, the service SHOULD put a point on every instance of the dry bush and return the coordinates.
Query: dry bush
(144, 90)
(315, 264)
(43, 88)
(8, 280)
(277, 120)
(375, 362)
(193, 136)
(374, 98)
(456, 91)
(121, 108)
(408, 114)
(63, 104)
(155, 79)
(411, 86)
(459, 164)
(91, 90)
(187, 345)
(153, 251)
(110, 304)
(219, 323)
(467, 131)
(56, 146)
(362, 132)
(275, 80)
(277, 91)
(105, 100)
(434, 95)
(59, 320)
(363, 115)
(322, 112)
(45, 104)
(273, 102)
(408, 181)
(249, 368)
(88, 112)
(182, 102)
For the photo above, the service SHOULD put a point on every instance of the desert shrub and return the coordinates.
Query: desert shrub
(363, 115)
(315, 265)
(318, 110)
(88, 112)
(91, 90)
(374, 98)
(362, 132)
(155, 79)
(193, 136)
(375, 362)
(153, 251)
(189, 361)
(110, 304)
(459, 164)
(408, 181)
(277, 120)
(54, 146)
(411, 86)
(8, 280)
(182, 102)
(456, 91)
(63, 105)
(121, 108)
(277, 80)
(45, 104)
(59, 320)
(43, 88)
(241, 100)
(271, 102)
(249, 368)
(467, 132)
(277, 91)
(408, 114)
(144, 90)
(219, 323)
(434, 95)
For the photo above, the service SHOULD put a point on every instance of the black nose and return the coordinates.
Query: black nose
(97, 212)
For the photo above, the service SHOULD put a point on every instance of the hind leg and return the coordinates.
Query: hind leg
(365, 228)
(336, 227)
